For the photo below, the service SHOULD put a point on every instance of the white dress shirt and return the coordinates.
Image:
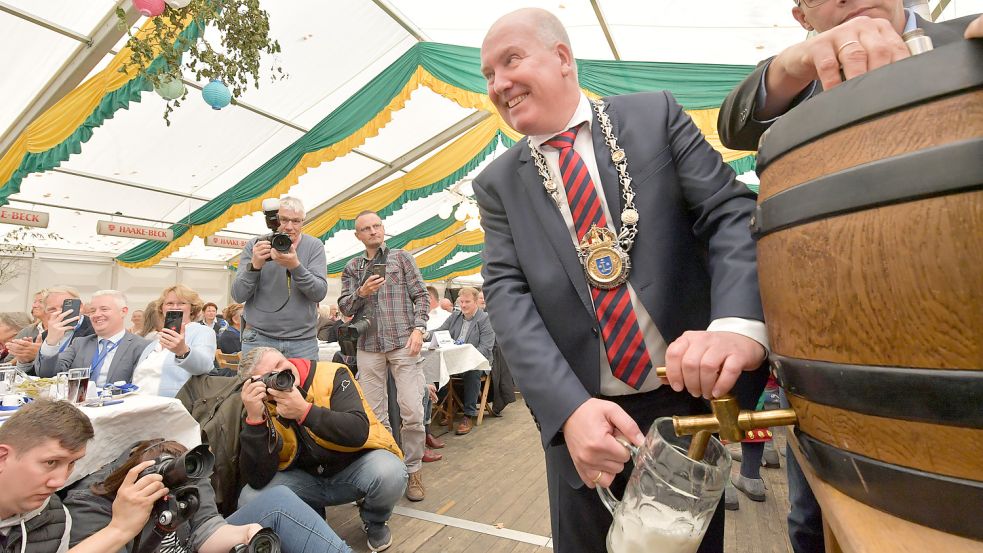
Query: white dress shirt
(654, 342)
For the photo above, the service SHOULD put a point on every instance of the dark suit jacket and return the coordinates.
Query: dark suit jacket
(735, 122)
(693, 259)
(480, 333)
(84, 329)
(81, 352)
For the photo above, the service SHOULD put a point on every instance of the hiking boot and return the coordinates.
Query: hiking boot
(379, 536)
(754, 488)
(414, 487)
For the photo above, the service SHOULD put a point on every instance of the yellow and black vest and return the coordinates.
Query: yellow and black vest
(320, 395)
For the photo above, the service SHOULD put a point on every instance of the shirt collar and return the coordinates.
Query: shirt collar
(382, 248)
(583, 114)
(910, 22)
(115, 338)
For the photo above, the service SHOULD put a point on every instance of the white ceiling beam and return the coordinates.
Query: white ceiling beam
(605, 29)
(399, 18)
(86, 56)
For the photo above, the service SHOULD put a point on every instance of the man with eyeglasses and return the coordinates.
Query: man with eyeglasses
(385, 285)
(281, 290)
(855, 36)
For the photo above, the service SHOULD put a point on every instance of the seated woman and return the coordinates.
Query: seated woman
(177, 356)
(230, 341)
(300, 529)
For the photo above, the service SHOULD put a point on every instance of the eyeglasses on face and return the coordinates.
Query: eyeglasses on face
(810, 3)
(369, 228)
(294, 220)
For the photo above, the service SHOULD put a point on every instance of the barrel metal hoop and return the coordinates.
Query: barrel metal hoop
(945, 71)
(942, 502)
(946, 169)
(937, 396)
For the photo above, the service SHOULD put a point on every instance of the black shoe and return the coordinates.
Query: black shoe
(379, 536)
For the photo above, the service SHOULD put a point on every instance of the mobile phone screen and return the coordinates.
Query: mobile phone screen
(379, 269)
(73, 306)
(173, 320)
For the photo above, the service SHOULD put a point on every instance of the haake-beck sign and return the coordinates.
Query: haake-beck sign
(23, 217)
(219, 241)
(126, 230)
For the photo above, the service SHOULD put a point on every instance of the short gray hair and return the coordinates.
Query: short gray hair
(61, 290)
(120, 297)
(293, 204)
(249, 361)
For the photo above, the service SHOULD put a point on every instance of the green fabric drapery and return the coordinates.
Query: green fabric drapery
(695, 86)
(429, 227)
(466, 266)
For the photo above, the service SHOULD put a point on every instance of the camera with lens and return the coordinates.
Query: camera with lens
(179, 474)
(348, 333)
(264, 541)
(280, 241)
(282, 381)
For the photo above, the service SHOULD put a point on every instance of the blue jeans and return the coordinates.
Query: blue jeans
(378, 477)
(805, 517)
(471, 393)
(291, 349)
(301, 530)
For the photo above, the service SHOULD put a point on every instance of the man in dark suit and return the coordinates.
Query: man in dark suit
(470, 325)
(585, 173)
(858, 36)
(27, 350)
(111, 353)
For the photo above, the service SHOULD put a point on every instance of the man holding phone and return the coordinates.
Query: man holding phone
(111, 353)
(386, 284)
(282, 290)
(66, 324)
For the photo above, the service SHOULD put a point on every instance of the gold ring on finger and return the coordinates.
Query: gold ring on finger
(844, 45)
(598, 477)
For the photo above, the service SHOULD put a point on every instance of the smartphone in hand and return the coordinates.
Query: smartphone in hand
(379, 270)
(173, 320)
(73, 306)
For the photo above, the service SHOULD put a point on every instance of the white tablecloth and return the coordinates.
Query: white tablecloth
(137, 418)
(440, 364)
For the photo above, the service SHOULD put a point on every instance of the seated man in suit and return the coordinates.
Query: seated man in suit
(27, 350)
(470, 325)
(112, 352)
(852, 35)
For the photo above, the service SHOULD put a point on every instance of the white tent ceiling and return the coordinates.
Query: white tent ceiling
(330, 50)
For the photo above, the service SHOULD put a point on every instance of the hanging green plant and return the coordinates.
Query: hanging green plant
(177, 37)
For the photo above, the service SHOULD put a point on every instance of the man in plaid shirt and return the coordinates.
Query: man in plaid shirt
(398, 307)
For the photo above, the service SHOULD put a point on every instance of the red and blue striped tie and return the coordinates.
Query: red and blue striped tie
(627, 354)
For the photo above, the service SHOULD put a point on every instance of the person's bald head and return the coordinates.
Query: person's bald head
(530, 70)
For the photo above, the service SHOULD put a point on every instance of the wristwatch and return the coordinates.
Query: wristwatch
(422, 329)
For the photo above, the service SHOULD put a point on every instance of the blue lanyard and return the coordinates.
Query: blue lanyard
(67, 340)
(98, 359)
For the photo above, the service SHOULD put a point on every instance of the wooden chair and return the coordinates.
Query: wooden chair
(228, 361)
(451, 405)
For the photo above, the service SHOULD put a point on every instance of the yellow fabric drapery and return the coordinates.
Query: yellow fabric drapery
(445, 162)
(62, 119)
(441, 250)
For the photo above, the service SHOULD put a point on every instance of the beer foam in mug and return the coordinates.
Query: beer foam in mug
(651, 532)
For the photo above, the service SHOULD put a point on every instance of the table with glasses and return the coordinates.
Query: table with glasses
(442, 363)
(138, 417)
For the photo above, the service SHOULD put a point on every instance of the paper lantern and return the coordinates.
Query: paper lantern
(216, 94)
(444, 211)
(177, 4)
(149, 8)
(170, 88)
(461, 213)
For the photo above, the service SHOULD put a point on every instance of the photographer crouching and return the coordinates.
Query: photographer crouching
(282, 277)
(309, 428)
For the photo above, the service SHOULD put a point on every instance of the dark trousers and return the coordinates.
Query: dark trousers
(579, 519)
(805, 517)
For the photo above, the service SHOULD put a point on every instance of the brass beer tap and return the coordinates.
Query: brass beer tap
(727, 420)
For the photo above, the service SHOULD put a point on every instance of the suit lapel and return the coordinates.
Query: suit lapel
(553, 226)
(605, 167)
(940, 34)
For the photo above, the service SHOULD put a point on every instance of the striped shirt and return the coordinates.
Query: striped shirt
(400, 305)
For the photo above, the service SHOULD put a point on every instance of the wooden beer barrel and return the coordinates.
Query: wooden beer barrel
(870, 252)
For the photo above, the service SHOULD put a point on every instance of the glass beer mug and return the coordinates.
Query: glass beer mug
(670, 498)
